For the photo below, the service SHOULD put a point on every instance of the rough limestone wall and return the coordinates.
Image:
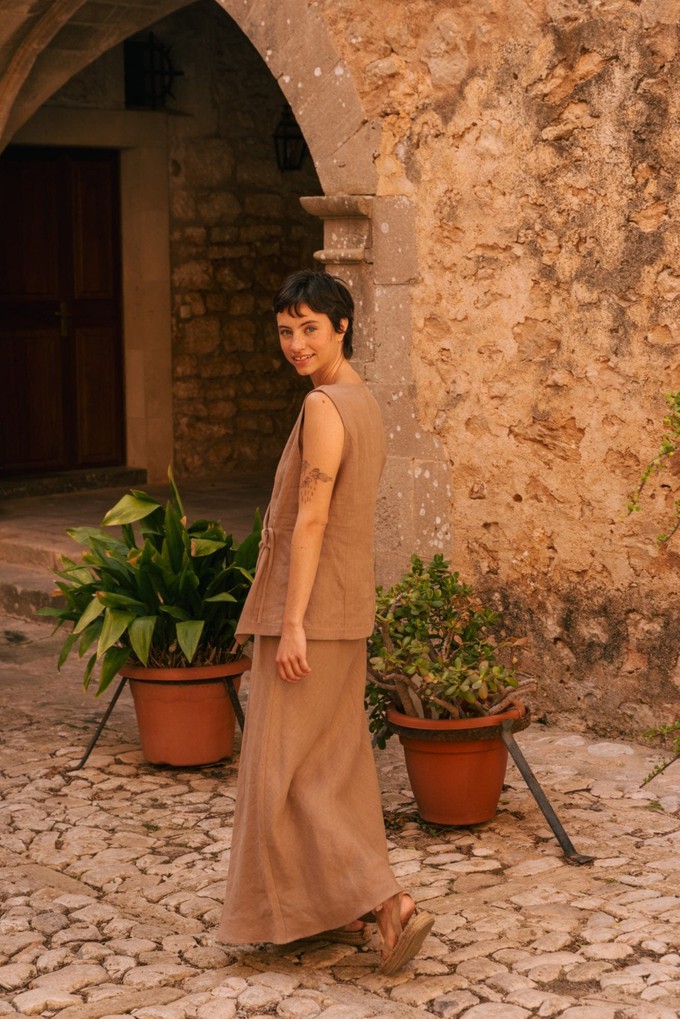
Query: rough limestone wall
(540, 142)
(237, 229)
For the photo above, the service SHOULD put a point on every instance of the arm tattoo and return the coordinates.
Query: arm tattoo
(309, 479)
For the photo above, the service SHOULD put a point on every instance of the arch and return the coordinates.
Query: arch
(291, 37)
(293, 40)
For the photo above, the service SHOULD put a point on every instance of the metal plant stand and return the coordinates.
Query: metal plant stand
(541, 799)
(231, 693)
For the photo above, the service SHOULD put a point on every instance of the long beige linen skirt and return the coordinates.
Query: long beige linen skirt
(308, 851)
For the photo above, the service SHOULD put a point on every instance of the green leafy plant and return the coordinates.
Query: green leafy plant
(168, 597)
(670, 444)
(668, 733)
(433, 654)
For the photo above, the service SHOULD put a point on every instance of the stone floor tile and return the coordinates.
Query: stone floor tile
(160, 1012)
(294, 1008)
(16, 975)
(496, 1010)
(650, 1010)
(258, 997)
(594, 1010)
(454, 1004)
(509, 983)
(586, 972)
(346, 1012)
(156, 976)
(42, 999)
(73, 977)
(425, 989)
(477, 970)
(543, 1003)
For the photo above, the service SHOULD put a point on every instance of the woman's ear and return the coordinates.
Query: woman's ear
(344, 322)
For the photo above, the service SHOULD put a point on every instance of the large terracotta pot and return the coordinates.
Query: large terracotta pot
(184, 716)
(456, 768)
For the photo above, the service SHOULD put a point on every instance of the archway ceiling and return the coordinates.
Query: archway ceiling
(44, 43)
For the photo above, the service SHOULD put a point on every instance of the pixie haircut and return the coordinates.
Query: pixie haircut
(323, 293)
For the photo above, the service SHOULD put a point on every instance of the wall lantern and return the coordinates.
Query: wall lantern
(289, 142)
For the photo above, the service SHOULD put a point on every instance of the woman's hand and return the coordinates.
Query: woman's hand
(291, 657)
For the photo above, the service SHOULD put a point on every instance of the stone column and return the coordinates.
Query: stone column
(370, 243)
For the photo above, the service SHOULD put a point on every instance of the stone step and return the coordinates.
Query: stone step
(24, 590)
(33, 522)
(28, 485)
(40, 557)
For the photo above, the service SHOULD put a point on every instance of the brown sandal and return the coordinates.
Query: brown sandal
(410, 940)
(341, 936)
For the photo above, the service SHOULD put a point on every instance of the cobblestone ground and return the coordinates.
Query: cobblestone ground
(111, 880)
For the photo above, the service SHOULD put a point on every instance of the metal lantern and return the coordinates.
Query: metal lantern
(289, 142)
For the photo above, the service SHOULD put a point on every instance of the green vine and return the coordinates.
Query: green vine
(663, 732)
(670, 444)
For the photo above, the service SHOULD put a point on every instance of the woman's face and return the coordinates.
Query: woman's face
(310, 343)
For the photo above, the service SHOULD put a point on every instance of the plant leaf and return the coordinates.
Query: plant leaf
(116, 622)
(87, 675)
(205, 546)
(89, 635)
(114, 659)
(111, 600)
(94, 609)
(188, 636)
(66, 649)
(175, 493)
(176, 539)
(181, 615)
(141, 635)
(130, 508)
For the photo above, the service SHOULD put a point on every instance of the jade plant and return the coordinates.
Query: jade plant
(163, 594)
(433, 653)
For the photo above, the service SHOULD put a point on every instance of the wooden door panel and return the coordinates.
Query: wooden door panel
(61, 402)
(32, 435)
(98, 396)
(93, 221)
(29, 252)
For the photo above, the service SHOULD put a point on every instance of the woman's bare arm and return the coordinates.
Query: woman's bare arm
(323, 438)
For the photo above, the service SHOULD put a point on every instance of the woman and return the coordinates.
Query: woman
(308, 853)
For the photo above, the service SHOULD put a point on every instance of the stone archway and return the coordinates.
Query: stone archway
(369, 239)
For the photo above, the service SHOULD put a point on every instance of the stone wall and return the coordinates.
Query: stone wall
(237, 228)
(540, 144)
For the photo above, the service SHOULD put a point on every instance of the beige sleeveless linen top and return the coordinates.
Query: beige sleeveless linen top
(342, 602)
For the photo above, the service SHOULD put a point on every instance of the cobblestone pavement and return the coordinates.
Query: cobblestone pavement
(111, 881)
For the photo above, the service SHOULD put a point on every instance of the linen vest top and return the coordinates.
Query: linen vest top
(342, 601)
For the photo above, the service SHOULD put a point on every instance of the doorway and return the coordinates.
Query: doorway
(60, 310)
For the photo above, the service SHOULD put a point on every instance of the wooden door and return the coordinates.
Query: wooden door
(61, 394)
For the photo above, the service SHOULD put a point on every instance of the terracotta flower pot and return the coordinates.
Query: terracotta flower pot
(184, 716)
(457, 767)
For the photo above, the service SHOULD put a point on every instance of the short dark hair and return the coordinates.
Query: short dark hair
(323, 293)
